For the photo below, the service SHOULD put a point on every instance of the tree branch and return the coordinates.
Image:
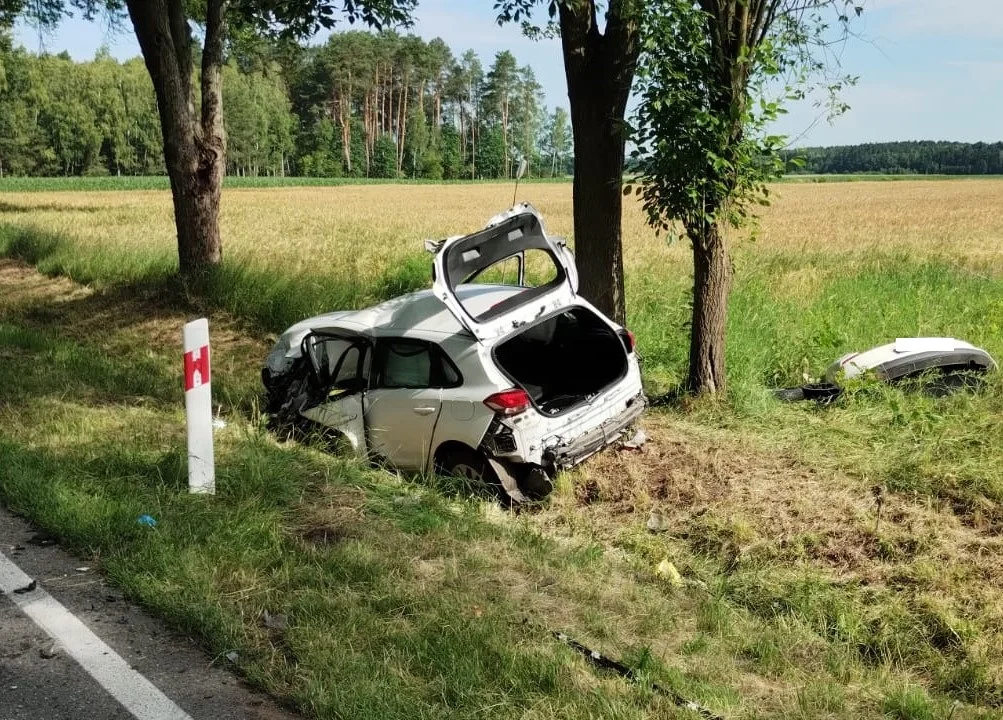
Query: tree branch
(212, 61)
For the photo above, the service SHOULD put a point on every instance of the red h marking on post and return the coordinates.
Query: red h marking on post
(196, 368)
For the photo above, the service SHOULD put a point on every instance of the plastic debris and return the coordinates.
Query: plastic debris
(82, 569)
(49, 652)
(607, 663)
(218, 423)
(27, 588)
(636, 442)
(667, 571)
(233, 656)
(147, 520)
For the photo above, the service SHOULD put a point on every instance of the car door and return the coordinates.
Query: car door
(404, 400)
(337, 391)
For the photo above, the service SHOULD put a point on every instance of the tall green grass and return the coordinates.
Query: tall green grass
(940, 446)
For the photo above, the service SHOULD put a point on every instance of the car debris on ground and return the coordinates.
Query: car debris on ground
(949, 363)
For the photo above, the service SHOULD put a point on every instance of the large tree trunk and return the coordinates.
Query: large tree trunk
(598, 207)
(712, 272)
(194, 147)
(600, 69)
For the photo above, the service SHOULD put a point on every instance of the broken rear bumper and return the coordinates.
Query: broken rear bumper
(573, 451)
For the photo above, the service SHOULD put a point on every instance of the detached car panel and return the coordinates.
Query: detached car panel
(504, 383)
(909, 357)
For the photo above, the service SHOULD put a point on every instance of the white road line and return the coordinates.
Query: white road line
(137, 694)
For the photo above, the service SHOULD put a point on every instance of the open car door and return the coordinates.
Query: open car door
(516, 235)
(340, 366)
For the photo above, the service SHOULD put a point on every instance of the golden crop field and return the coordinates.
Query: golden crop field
(368, 228)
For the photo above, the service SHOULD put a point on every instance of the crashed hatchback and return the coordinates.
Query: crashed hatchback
(500, 373)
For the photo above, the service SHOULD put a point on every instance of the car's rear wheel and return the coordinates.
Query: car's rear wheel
(467, 465)
(520, 483)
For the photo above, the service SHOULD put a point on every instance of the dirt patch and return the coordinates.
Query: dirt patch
(726, 496)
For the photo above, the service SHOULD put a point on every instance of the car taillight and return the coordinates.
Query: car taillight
(509, 402)
(629, 341)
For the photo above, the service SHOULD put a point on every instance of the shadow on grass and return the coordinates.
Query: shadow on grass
(36, 366)
(268, 299)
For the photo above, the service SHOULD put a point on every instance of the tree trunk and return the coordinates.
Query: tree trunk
(194, 148)
(598, 209)
(712, 273)
(599, 69)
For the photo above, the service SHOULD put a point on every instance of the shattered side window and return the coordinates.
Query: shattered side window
(325, 353)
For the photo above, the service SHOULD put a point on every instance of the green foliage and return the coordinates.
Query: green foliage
(258, 122)
(58, 117)
(384, 158)
(899, 158)
(491, 153)
(451, 153)
(555, 143)
(328, 111)
(704, 150)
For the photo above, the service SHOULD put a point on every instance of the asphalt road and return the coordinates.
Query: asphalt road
(40, 681)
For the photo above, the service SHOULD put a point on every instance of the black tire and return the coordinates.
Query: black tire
(822, 393)
(535, 483)
(470, 466)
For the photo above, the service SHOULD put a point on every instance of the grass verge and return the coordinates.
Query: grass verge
(797, 597)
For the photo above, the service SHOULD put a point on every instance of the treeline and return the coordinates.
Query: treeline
(920, 157)
(361, 105)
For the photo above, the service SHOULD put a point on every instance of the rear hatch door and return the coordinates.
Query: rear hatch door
(543, 269)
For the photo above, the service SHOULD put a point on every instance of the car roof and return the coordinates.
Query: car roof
(415, 314)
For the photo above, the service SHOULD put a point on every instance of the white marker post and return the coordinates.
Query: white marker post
(198, 408)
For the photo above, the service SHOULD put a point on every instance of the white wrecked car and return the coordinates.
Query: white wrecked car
(486, 376)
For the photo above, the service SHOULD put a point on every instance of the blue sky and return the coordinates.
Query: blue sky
(929, 69)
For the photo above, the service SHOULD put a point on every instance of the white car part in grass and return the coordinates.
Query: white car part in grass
(911, 356)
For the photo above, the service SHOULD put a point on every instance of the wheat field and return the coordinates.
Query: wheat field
(367, 227)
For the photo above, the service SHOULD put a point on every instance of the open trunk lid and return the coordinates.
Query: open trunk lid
(511, 234)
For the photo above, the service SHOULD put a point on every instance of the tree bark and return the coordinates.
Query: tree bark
(194, 147)
(712, 273)
(600, 69)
